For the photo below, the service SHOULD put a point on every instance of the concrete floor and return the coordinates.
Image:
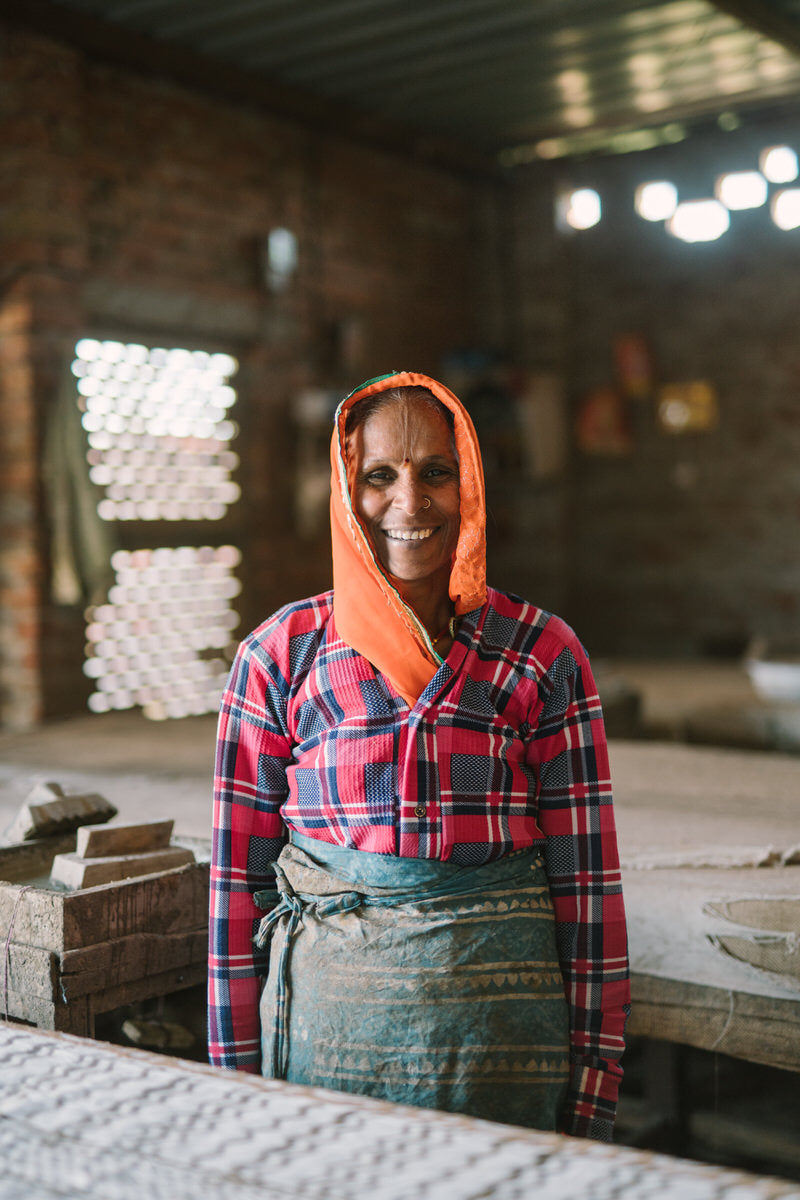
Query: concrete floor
(710, 702)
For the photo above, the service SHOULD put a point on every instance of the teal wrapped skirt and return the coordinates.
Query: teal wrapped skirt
(416, 981)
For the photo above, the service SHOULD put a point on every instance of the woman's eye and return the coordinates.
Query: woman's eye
(378, 477)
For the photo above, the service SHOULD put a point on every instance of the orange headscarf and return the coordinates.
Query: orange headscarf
(369, 613)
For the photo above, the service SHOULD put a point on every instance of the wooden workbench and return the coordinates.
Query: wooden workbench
(701, 831)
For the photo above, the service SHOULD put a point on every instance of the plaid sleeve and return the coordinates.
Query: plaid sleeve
(250, 787)
(570, 757)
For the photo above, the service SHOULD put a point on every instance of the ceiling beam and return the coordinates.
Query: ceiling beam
(764, 18)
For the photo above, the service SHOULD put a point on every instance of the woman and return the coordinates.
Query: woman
(449, 928)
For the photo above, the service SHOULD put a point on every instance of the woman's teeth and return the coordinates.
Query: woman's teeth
(408, 535)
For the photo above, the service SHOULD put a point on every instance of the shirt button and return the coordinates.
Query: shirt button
(420, 810)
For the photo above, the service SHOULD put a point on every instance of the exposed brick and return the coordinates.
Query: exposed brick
(137, 209)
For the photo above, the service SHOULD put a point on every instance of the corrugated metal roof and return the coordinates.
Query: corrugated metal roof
(513, 79)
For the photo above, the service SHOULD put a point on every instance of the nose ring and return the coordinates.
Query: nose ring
(427, 500)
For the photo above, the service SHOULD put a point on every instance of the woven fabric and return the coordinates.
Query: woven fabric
(418, 982)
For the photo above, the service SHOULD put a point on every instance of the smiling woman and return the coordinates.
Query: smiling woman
(413, 811)
(406, 493)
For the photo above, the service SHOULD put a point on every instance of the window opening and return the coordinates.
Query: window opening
(159, 435)
(159, 431)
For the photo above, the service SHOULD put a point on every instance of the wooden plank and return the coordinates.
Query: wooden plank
(164, 984)
(149, 904)
(48, 810)
(760, 1029)
(139, 956)
(76, 1013)
(58, 920)
(44, 974)
(103, 841)
(31, 861)
(76, 1017)
(76, 872)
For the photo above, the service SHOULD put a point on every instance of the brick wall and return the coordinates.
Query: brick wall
(19, 560)
(136, 209)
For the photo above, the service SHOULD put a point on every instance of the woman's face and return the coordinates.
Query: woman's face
(404, 457)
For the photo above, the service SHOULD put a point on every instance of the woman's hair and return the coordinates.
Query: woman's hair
(364, 409)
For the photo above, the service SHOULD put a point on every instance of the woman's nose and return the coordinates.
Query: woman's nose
(409, 494)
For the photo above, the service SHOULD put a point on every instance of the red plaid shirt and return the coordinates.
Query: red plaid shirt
(505, 747)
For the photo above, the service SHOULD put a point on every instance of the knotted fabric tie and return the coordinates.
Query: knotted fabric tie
(292, 906)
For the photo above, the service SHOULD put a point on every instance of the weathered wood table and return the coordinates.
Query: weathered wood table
(710, 847)
(82, 1119)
